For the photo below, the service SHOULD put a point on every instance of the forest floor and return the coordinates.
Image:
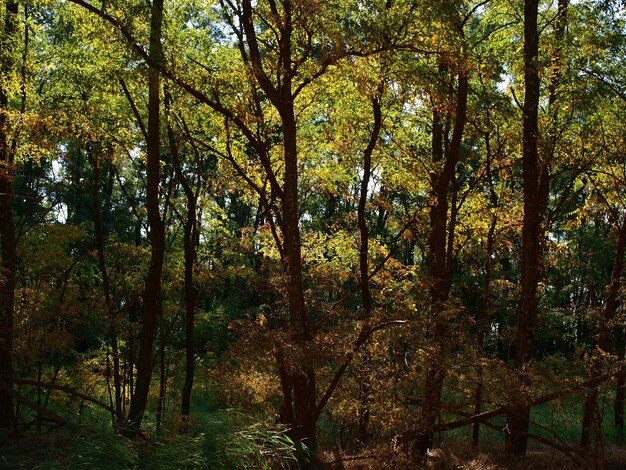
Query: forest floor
(86, 449)
(456, 456)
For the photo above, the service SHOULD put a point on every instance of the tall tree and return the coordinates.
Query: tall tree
(152, 291)
(8, 242)
(535, 181)
(190, 236)
(297, 380)
(440, 255)
(101, 233)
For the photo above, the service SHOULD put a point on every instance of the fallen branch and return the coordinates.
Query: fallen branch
(63, 388)
(481, 417)
(55, 418)
(564, 448)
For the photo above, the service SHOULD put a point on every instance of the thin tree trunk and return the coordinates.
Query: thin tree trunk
(485, 313)
(8, 243)
(366, 296)
(439, 268)
(605, 334)
(112, 330)
(162, 371)
(39, 374)
(189, 242)
(483, 322)
(152, 292)
(618, 406)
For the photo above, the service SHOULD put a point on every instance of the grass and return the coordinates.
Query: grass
(224, 440)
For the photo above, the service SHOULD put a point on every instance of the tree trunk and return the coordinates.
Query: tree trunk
(162, 372)
(298, 409)
(483, 322)
(189, 242)
(604, 337)
(302, 378)
(618, 406)
(8, 243)
(364, 270)
(531, 232)
(152, 291)
(100, 242)
(439, 268)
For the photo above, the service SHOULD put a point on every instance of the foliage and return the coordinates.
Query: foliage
(342, 235)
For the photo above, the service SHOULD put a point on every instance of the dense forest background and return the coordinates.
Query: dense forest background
(273, 233)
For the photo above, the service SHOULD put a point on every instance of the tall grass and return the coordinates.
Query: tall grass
(221, 440)
(233, 441)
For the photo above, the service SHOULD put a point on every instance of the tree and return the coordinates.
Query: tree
(607, 182)
(535, 174)
(190, 237)
(152, 291)
(8, 243)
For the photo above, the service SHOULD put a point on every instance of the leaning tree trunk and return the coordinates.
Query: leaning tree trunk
(531, 231)
(152, 291)
(8, 243)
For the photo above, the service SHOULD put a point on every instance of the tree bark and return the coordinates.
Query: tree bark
(618, 406)
(152, 291)
(531, 231)
(8, 242)
(303, 376)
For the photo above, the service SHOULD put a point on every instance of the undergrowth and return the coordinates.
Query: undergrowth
(225, 440)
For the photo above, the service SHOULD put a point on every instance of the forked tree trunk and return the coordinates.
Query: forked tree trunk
(298, 409)
(8, 243)
(440, 259)
(152, 291)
